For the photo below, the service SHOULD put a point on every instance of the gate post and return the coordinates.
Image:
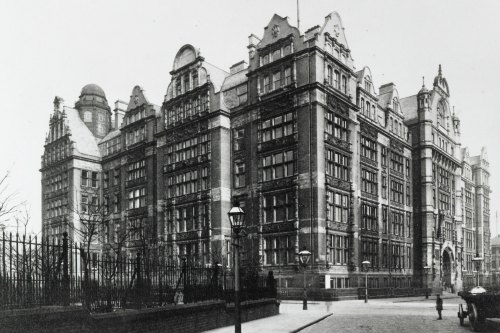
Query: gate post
(66, 289)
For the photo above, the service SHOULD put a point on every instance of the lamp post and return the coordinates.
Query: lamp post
(477, 261)
(365, 264)
(236, 218)
(426, 270)
(304, 257)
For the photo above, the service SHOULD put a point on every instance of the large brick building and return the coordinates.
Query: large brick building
(314, 152)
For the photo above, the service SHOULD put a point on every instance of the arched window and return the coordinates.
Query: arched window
(330, 75)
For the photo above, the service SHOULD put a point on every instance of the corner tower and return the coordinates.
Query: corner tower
(94, 110)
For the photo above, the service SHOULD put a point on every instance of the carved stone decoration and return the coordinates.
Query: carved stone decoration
(278, 227)
(338, 183)
(368, 130)
(275, 30)
(278, 183)
(338, 142)
(397, 146)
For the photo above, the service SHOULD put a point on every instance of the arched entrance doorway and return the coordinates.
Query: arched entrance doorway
(447, 269)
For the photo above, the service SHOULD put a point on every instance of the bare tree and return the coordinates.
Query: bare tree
(23, 218)
(8, 201)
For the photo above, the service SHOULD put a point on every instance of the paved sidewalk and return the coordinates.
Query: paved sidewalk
(290, 319)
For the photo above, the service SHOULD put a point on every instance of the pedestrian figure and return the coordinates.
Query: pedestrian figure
(439, 306)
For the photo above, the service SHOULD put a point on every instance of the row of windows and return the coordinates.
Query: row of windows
(56, 208)
(369, 251)
(188, 182)
(57, 182)
(187, 218)
(275, 54)
(136, 170)
(187, 81)
(56, 153)
(135, 136)
(129, 119)
(335, 79)
(112, 146)
(398, 257)
(278, 127)
(187, 109)
(397, 194)
(276, 80)
(368, 109)
(187, 149)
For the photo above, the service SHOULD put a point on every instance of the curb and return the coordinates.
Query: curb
(311, 323)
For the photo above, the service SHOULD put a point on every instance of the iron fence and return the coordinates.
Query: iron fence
(51, 272)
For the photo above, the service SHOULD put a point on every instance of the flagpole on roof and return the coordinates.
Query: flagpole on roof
(298, 16)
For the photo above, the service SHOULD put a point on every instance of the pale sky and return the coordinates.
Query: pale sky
(54, 48)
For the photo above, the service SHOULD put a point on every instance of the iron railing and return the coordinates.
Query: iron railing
(50, 272)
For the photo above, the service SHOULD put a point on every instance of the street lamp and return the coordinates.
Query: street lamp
(366, 264)
(304, 257)
(477, 261)
(426, 270)
(236, 218)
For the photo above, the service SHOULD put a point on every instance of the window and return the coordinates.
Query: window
(94, 179)
(384, 156)
(135, 136)
(397, 192)
(397, 223)
(278, 165)
(186, 82)
(338, 207)
(136, 170)
(288, 76)
(336, 83)
(116, 178)
(137, 198)
(329, 75)
(183, 183)
(337, 165)
(84, 203)
(85, 178)
(136, 228)
(238, 136)
(384, 187)
(384, 219)
(408, 224)
(178, 86)
(336, 126)
(239, 174)
(279, 250)
(339, 249)
(105, 179)
(194, 76)
(279, 207)
(278, 127)
(344, 85)
(369, 182)
(369, 148)
(369, 217)
(276, 80)
(186, 218)
(369, 251)
(116, 202)
(266, 84)
(362, 105)
(408, 200)
(397, 162)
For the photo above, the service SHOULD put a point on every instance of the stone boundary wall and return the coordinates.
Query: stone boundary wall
(188, 318)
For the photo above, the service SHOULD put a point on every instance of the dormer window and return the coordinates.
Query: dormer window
(367, 86)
